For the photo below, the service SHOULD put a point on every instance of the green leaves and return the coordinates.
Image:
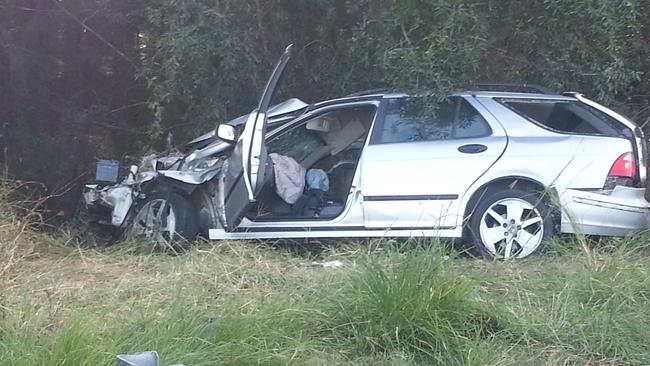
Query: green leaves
(214, 56)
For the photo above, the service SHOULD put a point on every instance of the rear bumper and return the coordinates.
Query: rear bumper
(617, 213)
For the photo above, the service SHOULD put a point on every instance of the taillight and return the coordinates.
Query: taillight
(622, 172)
(624, 167)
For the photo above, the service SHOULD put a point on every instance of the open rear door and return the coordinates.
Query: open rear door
(246, 167)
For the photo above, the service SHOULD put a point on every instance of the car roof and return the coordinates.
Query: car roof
(465, 93)
(518, 95)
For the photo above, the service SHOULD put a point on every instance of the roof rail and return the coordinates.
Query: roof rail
(368, 92)
(512, 87)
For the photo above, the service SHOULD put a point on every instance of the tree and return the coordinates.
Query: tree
(69, 92)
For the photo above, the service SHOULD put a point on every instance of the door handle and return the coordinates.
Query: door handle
(472, 148)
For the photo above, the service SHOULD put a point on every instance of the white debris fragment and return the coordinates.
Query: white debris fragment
(149, 358)
(330, 264)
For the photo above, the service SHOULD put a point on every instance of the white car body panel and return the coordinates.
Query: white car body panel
(430, 177)
(427, 197)
(541, 155)
(532, 153)
(251, 152)
(619, 213)
(246, 168)
(220, 234)
(642, 161)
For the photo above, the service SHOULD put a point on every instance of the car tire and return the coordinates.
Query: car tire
(511, 224)
(167, 219)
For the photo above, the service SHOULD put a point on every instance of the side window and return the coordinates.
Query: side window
(408, 120)
(566, 116)
(414, 119)
(470, 123)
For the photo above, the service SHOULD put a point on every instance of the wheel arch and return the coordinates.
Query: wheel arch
(185, 223)
(548, 195)
(199, 195)
(163, 184)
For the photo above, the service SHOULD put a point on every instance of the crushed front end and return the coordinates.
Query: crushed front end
(110, 198)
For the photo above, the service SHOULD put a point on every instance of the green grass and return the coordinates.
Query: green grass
(406, 303)
(392, 303)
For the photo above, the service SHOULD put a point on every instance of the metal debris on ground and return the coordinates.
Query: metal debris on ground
(149, 358)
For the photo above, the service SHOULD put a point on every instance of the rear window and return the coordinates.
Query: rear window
(566, 116)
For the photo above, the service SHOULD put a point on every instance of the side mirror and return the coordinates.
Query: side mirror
(227, 133)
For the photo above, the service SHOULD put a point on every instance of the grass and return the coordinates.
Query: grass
(392, 303)
(406, 303)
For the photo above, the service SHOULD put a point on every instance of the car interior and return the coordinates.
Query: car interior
(324, 149)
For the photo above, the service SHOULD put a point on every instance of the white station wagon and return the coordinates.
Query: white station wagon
(504, 166)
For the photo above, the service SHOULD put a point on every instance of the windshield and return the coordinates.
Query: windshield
(297, 143)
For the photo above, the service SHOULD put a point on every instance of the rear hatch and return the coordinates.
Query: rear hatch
(634, 134)
(577, 115)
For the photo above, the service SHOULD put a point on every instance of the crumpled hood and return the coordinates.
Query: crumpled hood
(275, 114)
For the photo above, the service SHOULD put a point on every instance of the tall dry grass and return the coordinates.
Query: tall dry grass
(18, 239)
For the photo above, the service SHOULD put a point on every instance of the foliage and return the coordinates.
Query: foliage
(209, 49)
(66, 96)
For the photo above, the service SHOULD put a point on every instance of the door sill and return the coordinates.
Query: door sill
(333, 232)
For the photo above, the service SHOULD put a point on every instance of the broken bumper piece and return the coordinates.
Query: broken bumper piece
(141, 359)
(619, 212)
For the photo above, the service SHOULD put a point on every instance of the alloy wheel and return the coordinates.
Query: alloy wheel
(155, 222)
(511, 228)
